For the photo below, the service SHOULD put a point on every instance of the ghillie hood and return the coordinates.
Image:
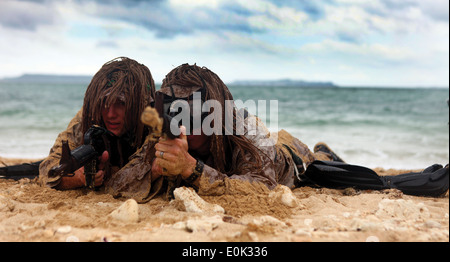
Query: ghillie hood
(213, 88)
(124, 79)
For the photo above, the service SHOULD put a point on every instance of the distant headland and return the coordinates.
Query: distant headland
(85, 79)
(284, 82)
(44, 78)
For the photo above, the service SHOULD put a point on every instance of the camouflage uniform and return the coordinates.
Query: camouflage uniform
(277, 150)
(133, 180)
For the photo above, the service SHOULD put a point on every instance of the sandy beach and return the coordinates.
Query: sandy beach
(249, 213)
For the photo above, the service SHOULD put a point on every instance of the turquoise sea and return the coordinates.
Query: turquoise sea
(373, 127)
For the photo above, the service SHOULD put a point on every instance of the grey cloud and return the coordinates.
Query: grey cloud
(107, 44)
(349, 36)
(313, 8)
(166, 22)
(435, 10)
(27, 15)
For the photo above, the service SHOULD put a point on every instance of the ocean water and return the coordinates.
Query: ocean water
(373, 127)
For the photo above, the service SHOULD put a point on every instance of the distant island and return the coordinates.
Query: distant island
(84, 79)
(284, 82)
(43, 78)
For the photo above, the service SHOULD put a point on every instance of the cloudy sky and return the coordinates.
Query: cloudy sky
(348, 42)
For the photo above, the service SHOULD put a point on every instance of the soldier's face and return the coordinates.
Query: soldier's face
(114, 118)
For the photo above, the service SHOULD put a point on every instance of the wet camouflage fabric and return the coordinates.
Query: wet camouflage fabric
(282, 168)
(134, 179)
(131, 181)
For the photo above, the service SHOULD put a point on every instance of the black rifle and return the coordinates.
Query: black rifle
(85, 155)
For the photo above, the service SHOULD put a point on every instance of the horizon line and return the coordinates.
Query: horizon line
(250, 81)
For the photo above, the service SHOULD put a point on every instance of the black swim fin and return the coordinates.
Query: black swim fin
(333, 174)
(432, 181)
(18, 172)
